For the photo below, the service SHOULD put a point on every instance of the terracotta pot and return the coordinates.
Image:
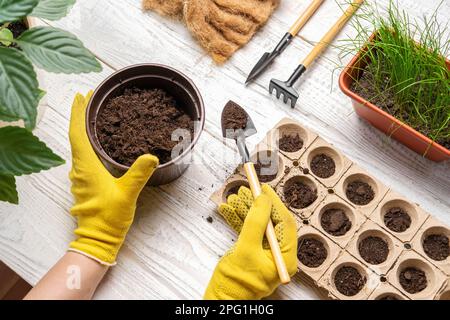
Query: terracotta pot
(385, 122)
(148, 76)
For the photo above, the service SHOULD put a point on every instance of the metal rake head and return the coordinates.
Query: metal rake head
(285, 89)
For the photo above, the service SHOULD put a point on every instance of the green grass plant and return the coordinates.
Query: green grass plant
(407, 72)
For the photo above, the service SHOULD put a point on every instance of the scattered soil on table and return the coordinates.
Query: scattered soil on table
(234, 117)
(360, 192)
(335, 222)
(349, 281)
(311, 252)
(266, 171)
(17, 28)
(299, 195)
(290, 143)
(397, 219)
(235, 189)
(386, 101)
(209, 219)
(413, 280)
(141, 121)
(373, 250)
(323, 166)
(436, 246)
(389, 297)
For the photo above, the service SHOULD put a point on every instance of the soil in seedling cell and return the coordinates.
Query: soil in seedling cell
(389, 297)
(299, 195)
(436, 246)
(311, 252)
(235, 189)
(397, 219)
(360, 193)
(373, 250)
(323, 166)
(235, 118)
(413, 280)
(349, 281)
(290, 143)
(141, 121)
(335, 222)
(267, 171)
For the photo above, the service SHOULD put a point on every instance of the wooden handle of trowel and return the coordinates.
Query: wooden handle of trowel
(255, 186)
(304, 18)
(332, 33)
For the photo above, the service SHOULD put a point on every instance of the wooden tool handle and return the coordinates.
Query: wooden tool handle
(304, 18)
(255, 186)
(332, 33)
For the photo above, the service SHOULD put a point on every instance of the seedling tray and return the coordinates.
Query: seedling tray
(353, 212)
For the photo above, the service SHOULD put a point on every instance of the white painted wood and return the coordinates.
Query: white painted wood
(171, 250)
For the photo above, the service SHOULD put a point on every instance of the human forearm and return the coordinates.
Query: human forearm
(74, 277)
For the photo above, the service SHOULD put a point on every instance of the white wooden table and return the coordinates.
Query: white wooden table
(171, 249)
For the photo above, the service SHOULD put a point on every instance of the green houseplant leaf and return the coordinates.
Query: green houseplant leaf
(8, 190)
(23, 153)
(6, 37)
(19, 91)
(57, 51)
(12, 10)
(52, 9)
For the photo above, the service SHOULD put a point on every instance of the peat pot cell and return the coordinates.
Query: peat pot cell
(290, 138)
(399, 217)
(325, 163)
(348, 279)
(269, 166)
(375, 247)
(415, 277)
(444, 294)
(315, 252)
(300, 193)
(337, 220)
(361, 190)
(386, 291)
(432, 242)
(232, 184)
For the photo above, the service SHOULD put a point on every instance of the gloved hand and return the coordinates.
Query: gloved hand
(104, 205)
(248, 271)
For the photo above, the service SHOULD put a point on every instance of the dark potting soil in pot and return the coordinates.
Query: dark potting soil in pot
(413, 280)
(373, 250)
(17, 28)
(323, 166)
(299, 195)
(335, 222)
(349, 281)
(360, 192)
(290, 142)
(234, 117)
(267, 169)
(311, 252)
(397, 219)
(386, 101)
(436, 246)
(141, 121)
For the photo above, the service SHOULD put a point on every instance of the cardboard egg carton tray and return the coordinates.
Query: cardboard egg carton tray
(364, 219)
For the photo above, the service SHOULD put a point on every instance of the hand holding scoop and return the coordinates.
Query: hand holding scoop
(237, 125)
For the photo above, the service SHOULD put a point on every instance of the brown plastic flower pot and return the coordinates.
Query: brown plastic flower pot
(147, 76)
(384, 121)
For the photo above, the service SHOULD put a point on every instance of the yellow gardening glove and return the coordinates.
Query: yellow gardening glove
(104, 205)
(248, 271)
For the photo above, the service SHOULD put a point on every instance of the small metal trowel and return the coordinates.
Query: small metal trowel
(237, 125)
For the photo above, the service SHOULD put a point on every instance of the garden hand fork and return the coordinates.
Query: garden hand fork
(285, 88)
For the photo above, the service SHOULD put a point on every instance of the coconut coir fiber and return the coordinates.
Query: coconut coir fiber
(220, 26)
(141, 122)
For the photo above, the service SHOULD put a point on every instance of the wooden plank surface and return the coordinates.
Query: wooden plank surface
(171, 249)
